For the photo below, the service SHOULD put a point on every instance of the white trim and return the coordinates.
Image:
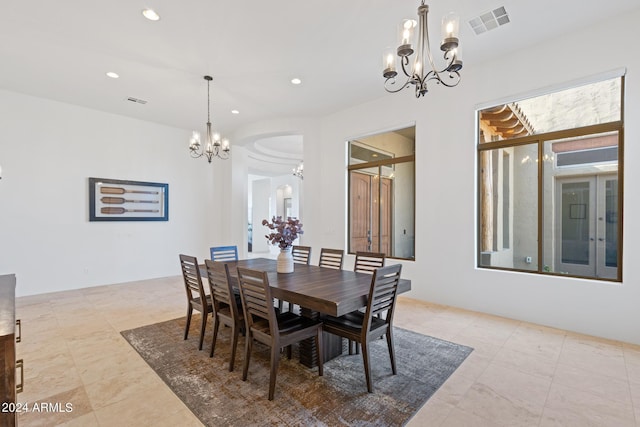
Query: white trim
(594, 78)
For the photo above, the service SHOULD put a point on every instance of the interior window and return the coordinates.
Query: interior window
(549, 183)
(381, 194)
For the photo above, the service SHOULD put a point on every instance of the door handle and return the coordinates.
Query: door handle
(591, 239)
(600, 239)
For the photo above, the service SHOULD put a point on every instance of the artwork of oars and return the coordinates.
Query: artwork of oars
(118, 190)
(116, 210)
(121, 200)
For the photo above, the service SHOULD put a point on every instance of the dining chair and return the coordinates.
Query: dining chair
(331, 258)
(301, 254)
(196, 296)
(365, 327)
(226, 309)
(367, 262)
(224, 253)
(264, 326)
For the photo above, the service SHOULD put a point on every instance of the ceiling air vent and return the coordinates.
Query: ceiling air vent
(136, 100)
(489, 20)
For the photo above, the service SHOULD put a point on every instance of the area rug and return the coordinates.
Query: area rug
(302, 398)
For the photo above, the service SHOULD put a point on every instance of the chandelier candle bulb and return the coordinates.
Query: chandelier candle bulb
(389, 64)
(406, 31)
(450, 26)
(456, 65)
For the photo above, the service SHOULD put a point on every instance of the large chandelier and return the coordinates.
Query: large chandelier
(422, 68)
(215, 146)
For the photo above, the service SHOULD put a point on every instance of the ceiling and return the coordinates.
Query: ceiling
(62, 49)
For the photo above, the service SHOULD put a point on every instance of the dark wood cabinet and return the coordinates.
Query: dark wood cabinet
(7, 350)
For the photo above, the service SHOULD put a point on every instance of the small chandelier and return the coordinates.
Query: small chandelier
(215, 146)
(423, 69)
(299, 170)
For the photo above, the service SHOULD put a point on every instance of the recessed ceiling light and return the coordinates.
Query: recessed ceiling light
(296, 81)
(151, 14)
(112, 75)
(235, 112)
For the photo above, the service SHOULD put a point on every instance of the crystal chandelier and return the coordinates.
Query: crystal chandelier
(422, 69)
(215, 147)
(299, 171)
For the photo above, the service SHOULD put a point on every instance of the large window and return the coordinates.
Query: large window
(381, 194)
(550, 183)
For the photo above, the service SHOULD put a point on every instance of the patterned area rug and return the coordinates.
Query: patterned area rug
(302, 398)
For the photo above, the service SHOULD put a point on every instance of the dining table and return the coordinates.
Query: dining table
(317, 290)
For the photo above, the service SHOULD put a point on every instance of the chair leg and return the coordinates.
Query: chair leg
(247, 355)
(319, 353)
(275, 361)
(203, 327)
(216, 327)
(234, 343)
(392, 352)
(289, 352)
(367, 365)
(186, 328)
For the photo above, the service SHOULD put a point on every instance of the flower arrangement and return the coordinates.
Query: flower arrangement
(284, 231)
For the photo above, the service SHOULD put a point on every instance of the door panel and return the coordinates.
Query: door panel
(371, 197)
(360, 211)
(607, 227)
(586, 226)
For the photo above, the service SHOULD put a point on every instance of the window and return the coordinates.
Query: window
(381, 194)
(549, 183)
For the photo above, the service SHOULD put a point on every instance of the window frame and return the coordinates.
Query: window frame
(540, 139)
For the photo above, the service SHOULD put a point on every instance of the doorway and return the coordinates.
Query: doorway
(586, 226)
(370, 207)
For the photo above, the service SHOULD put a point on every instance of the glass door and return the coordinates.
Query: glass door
(586, 226)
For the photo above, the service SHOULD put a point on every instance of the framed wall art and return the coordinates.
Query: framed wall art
(118, 200)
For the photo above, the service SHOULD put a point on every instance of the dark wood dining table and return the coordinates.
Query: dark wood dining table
(317, 290)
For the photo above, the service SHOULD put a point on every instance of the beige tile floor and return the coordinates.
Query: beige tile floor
(519, 374)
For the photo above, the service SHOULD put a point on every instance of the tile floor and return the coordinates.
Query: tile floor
(519, 374)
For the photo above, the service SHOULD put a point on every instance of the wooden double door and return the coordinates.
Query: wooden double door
(370, 213)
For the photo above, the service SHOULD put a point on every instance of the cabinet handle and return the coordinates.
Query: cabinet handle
(20, 387)
(19, 325)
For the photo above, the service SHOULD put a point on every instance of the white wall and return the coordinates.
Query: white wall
(48, 150)
(45, 236)
(445, 268)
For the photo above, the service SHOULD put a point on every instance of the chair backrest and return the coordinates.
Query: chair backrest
(367, 262)
(331, 258)
(224, 253)
(220, 287)
(301, 254)
(191, 276)
(257, 302)
(383, 294)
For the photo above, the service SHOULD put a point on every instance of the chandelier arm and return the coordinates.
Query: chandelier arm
(407, 83)
(455, 75)
(404, 62)
(449, 62)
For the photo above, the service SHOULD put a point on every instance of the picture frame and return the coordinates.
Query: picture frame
(577, 211)
(121, 200)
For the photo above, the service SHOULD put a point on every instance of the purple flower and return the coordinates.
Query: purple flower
(284, 231)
